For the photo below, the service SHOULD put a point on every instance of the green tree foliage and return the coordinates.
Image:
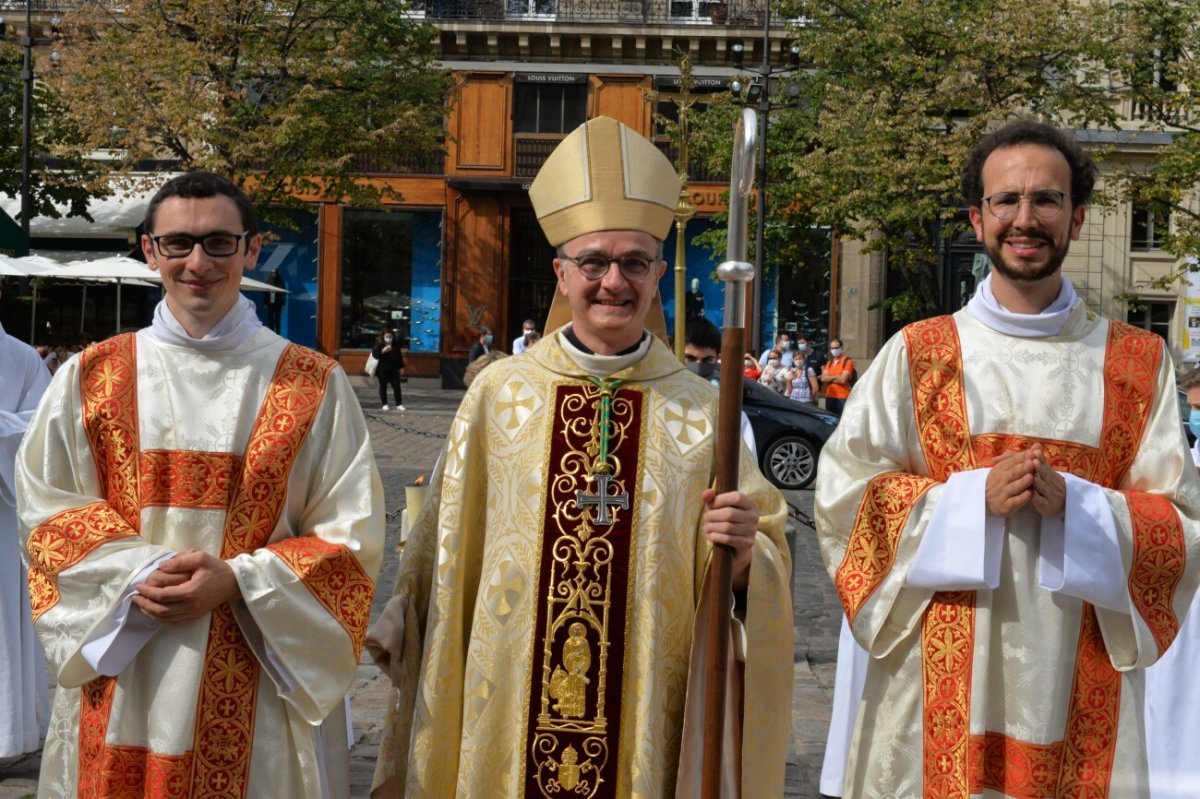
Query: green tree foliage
(54, 183)
(893, 95)
(1155, 68)
(289, 98)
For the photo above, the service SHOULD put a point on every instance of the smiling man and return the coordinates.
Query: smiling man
(1010, 517)
(203, 525)
(540, 633)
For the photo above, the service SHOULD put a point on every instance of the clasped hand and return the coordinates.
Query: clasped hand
(1017, 479)
(732, 519)
(185, 587)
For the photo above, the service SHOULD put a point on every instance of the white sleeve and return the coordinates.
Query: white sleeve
(1080, 554)
(117, 639)
(962, 545)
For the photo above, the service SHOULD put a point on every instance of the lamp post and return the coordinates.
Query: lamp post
(758, 95)
(27, 42)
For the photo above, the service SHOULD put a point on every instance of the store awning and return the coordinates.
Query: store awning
(116, 216)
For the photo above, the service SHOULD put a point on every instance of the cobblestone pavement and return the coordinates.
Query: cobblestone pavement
(407, 444)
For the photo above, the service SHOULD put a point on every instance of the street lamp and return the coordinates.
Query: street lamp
(27, 43)
(757, 94)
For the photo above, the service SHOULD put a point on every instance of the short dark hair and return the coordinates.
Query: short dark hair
(1190, 380)
(1026, 131)
(699, 332)
(200, 185)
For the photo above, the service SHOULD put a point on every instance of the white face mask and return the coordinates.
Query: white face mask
(773, 362)
(836, 352)
(387, 339)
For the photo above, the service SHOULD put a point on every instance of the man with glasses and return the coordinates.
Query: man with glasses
(203, 524)
(1010, 516)
(539, 637)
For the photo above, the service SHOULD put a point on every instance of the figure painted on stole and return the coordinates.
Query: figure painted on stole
(1012, 521)
(540, 635)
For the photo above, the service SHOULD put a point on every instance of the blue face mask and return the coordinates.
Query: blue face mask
(487, 339)
(1194, 422)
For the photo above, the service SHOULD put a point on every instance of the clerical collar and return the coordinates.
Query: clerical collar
(230, 333)
(602, 365)
(984, 307)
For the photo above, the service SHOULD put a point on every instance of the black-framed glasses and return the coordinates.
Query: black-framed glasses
(180, 245)
(594, 267)
(1046, 203)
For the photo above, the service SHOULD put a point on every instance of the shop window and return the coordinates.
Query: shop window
(1154, 316)
(1148, 226)
(549, 108)
(289, 260)
(531, 8)
(391, 269)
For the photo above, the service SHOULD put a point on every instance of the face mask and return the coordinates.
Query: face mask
(487, 339)
(387, 339)
(705, 370)
(749, 364)
(773, 362)
(1194, 422)
(801, 348)
(784, 346)
(836, 352)
(528, 331)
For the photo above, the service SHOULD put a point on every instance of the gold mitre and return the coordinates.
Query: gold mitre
(604, 176)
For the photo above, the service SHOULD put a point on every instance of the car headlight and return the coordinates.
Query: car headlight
(828, 419)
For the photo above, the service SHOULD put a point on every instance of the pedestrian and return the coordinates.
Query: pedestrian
(541, 628)
(482, 346)
(750, 366)
(390, 368)
(774, 374)
(837, 377)
(702, 348)
(24, 703)
(528, 335)
(1009, 515)
(802, 382)
(783, 348)
(203, 524)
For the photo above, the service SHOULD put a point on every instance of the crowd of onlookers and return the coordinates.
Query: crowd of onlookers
(797, 370)
(58, 349)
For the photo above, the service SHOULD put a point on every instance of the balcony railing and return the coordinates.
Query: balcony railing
(382, 162)
(633, 12)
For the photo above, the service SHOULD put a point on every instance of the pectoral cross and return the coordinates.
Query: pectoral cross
(602, 500)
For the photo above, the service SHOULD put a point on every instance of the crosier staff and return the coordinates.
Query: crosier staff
(716, 598)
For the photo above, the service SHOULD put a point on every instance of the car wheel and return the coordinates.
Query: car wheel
(790, 463)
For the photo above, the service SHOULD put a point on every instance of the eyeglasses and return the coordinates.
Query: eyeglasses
(180, 245)
(1004, 205)
(594, 267)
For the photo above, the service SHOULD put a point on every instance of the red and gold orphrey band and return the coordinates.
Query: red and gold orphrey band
(574, 722)
(952, 764)
(219, 764)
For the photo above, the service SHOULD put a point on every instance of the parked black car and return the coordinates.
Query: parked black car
(789, 434)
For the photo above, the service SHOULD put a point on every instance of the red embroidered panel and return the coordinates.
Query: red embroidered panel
(95, 704)
(939, 399)
(871, 551)
(229, 686)
(1015, 768)
(1131, 364)
(131, 772)
(1091, 736)
(108, 389)
(947, 645)
(64, 540)
(187, 479)
(335, 578)
(1159, 557)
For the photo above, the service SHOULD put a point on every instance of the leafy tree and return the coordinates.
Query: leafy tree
(53, 182)
(288, 98)
(893, 96)
(1154, 66)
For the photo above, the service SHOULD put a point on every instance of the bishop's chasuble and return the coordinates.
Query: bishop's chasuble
(1010, 688)
(543, 618)
(258, 454)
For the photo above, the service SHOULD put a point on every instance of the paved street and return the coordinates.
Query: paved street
(407, 445)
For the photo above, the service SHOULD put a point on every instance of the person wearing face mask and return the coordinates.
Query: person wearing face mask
(836, 377)
(774, 375)
(1191, 384)
(390, 368)
(481, 347)
(528, 335)
(783, 346)
(802, 381)
(750, 367)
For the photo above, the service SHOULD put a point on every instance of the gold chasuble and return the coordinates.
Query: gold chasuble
(541, 627)
(1015, 691)
(144, 449)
